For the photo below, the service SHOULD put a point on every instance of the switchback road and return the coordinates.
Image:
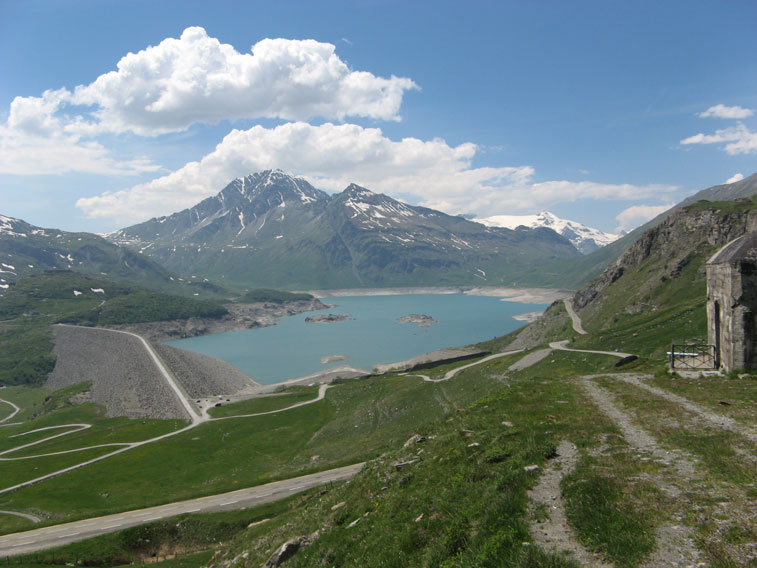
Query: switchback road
(58, 535)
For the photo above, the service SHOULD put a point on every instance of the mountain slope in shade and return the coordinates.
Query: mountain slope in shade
(270, 229)
(585, 239)
(26, 249)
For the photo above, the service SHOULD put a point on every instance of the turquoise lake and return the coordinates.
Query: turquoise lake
(294, 348)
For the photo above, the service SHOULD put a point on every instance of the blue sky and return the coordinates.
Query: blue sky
(602, 112)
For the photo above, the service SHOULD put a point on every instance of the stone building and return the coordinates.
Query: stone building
(732, 303)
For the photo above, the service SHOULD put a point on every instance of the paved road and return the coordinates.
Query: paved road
(57, 535)
(561, 346)
(451, 374)
(125, 446)
(321, 394)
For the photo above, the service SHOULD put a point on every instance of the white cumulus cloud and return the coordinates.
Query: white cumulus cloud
(636, 215)
(735, 177)
(723, 111)
(738, 139)
(180, 82)
(332, 156)
(196, 78)
(22, 153)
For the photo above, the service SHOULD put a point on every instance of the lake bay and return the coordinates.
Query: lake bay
(294, 348)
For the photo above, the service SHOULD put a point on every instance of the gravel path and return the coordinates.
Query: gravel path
(717, 420)
(577, 325)
(15, 411)
(123, 376)
(555, 533)
(635, 435)
(675, 545)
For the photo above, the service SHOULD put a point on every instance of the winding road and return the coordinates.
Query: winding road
(451, 374)
(577, 325)
(16, 410)
(57, 535)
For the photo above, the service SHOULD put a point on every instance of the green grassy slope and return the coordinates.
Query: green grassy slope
(31, 304)
(574, 273)
(656, 293)
(460, 499)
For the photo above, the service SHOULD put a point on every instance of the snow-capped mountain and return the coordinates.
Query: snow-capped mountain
(585, 239)
(271, 229)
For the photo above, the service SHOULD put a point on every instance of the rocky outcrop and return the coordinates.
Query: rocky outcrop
(289, 549)
(684, 233)
(422, 320)
(328, 318)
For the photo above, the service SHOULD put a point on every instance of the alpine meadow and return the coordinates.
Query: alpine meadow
(378, 284)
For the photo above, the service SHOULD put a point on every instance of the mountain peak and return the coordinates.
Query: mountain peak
(355, 190)
(585, 239)
(277, 183)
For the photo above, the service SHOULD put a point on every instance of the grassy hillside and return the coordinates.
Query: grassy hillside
(574, 273)
(450, 465)
(272, 296)
(656, 292)
(31, 304)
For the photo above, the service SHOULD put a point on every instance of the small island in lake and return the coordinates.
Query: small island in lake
(333, 358)
(328, 318)
(421, 319)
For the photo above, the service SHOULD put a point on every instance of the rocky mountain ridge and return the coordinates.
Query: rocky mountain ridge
(270, 229)
(687, 236)
(26, 249)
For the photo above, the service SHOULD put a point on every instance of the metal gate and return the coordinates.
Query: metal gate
(692, 355)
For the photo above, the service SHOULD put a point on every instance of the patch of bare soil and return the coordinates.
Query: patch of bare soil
(695, 500)
(554, 532)
(716, 420)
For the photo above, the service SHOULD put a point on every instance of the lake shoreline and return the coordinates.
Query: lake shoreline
(506, 294)
(466, 318)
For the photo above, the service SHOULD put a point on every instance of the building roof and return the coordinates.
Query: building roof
(743, 248)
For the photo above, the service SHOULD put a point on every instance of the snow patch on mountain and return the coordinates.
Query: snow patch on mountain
(9, 226)
(585, 239)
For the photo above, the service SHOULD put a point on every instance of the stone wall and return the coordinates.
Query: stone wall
(732, 312)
